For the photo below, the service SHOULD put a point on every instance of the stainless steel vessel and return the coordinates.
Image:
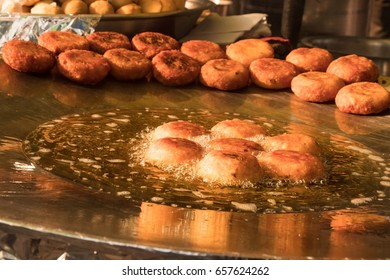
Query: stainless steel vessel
(333, 17)
(176, 24)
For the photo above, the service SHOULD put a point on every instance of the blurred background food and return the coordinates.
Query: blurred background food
(26, 19)
(101, 7)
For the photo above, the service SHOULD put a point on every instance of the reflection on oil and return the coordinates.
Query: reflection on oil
(271, 236)
(352, 124)
(358, 222)
(20, 84)
(218, 102)
(75, 96)
(358, 229)
(305, 112)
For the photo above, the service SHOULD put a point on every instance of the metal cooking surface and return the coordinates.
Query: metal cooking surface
(32, 197)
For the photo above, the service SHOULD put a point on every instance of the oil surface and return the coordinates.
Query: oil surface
(103, 151)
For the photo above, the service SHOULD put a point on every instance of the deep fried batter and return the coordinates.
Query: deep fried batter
(102, 41)
(59, 41)
(28, 57)
(127, 65)
(82, 66)
(174, 68)
(151, 43)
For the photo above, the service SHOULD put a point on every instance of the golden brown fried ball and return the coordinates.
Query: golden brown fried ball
(353, 68)
(102, 41)
(128, 65)
(292, 141)
(285, 164)
(129, 9)
(310, 59)
(248, 50)
(272, 73)
(202, 50)
(28, 57)
(237, 128)
(157, 6)
(151, 43)
(229, 168)
(82, 66)
(101, 8)
(59, 41)
(316, 86)
(75, 7)
(224, 74)
(46, 7)
(181, 129)
(363, 98)
(174, 68)
(171, 151)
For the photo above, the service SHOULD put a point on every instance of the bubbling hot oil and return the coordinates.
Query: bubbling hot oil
(105, 151)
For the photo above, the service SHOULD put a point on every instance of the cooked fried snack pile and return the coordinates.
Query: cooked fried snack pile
(312, 74)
